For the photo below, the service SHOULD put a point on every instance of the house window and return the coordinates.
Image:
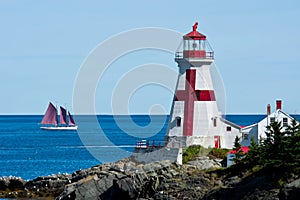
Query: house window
(228, 128)
(178, 121)
(285, 122)
(272, 119)
(245, 136)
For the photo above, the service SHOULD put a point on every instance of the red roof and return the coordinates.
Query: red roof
(244, 149)
(195, 35)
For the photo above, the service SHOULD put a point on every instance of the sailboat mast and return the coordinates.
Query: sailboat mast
(56, 112)
(67, 118)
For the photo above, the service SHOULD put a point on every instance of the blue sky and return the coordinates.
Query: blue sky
(44, 43)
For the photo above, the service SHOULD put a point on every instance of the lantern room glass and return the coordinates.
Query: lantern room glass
(192, 45)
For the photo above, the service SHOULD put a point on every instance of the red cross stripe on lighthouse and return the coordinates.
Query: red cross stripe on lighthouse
(189, 96)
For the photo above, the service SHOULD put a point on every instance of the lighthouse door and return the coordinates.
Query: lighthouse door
(217, 141)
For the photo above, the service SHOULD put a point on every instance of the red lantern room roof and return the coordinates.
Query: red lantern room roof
(195, 35)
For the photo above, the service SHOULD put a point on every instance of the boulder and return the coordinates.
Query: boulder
(84, 189)
(204, 162)
(12, 183)
(16, 184)
(291, 190)
(52, 182)
(4, 182)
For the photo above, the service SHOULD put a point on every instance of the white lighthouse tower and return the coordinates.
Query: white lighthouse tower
(194, 118)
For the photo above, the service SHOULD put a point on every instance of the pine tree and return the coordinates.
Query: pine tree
(237, 147)
(274, 146)
(236, 144)
(293, 144)
(253, 156)
(293, 129)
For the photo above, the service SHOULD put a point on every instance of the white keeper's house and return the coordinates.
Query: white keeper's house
(257, 130)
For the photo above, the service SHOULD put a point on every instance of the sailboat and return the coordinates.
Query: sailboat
(50, 119)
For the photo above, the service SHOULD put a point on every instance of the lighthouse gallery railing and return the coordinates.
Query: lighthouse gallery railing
(206, 55)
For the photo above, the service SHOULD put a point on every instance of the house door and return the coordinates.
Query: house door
(217, 141)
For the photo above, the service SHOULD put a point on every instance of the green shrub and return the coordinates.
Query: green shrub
(191, 152)
(218, 153)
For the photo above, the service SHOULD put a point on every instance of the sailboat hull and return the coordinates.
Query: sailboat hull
(59, 128)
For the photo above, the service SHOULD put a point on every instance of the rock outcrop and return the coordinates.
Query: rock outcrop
(11, 183)
(125, 179)
(291, 190)
(120, 180)
(45, 186)
(204, 162)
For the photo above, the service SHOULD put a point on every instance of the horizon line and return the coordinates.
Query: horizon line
(111, 114)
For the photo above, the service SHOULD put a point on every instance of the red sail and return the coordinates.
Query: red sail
(71, 120)
(63, 116)
(50, 115)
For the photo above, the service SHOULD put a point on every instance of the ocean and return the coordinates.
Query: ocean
(27, 151)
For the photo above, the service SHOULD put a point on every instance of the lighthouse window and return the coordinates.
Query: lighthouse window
(178, 121)
(194, 45)
(215, 122)
(198, 95)
(285, 122)
(228, 128)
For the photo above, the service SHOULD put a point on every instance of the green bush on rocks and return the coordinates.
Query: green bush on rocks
(191, 153)
(218, 153)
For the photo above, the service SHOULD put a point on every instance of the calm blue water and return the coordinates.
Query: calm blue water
(28, 152)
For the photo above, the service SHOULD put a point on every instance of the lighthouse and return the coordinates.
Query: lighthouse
(195, 118)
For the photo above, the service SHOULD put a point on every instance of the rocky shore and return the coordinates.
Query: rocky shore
(125, 179)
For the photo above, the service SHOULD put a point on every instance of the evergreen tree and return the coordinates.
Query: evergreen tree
(293, 129)
(271, 144)
(236, 144)
(293, 144)
(237, 147)
(253, 157)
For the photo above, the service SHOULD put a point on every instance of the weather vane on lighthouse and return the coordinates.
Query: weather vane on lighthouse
(195, 26)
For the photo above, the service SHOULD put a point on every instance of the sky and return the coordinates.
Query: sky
(43, 44)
